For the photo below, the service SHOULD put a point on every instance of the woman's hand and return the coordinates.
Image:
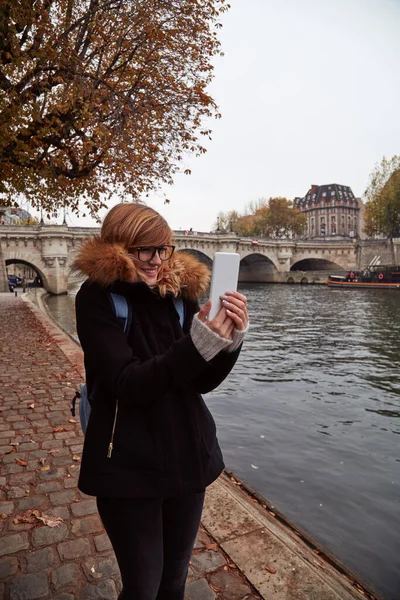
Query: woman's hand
(235, 305)
(222, 324)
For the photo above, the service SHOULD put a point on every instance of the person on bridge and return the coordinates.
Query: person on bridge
(151, 448)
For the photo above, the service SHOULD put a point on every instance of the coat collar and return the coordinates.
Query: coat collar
(104, 263)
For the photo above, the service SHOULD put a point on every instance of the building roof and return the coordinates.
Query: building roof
(329, 193)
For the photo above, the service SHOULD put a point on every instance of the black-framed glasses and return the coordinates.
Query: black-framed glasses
(147, 253)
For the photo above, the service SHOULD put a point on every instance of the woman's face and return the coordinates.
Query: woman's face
(147, 270)
(148, 261)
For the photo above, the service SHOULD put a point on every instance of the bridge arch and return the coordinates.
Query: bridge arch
(315, 264)
(201, 256)
(40, 274)
(256, 267)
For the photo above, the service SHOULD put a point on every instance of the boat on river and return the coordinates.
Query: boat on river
(385, 277)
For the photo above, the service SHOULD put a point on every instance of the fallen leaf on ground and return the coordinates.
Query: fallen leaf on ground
(21, 462)
(30, 516)
(59, 428)
(27, 517)
(211, 547)
(53, 451)
(46, 468)
(271, 569)
(31, 406)
(43, 461)
(254, 466)
(3, 515)
(71, 421)
(14, 443)
(76, 457)
(48, 520)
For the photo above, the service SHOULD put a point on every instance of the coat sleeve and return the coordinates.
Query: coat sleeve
(217, 369)
(110, 358)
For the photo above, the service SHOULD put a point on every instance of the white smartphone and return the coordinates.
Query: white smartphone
(224, 278)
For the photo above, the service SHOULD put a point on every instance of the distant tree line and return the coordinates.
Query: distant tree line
(276, 217)
(382, 211)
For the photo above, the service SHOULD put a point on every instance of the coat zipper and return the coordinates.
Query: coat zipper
(111, 444)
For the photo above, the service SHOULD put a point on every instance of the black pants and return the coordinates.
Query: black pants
(153, 540)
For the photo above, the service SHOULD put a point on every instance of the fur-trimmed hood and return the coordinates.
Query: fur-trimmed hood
(105, 263)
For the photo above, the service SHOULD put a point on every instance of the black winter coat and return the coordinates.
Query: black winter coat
(146, 397)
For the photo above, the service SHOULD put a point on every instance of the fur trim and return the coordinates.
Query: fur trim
(105, 263)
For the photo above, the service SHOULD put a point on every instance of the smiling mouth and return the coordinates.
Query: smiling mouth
(150, 272)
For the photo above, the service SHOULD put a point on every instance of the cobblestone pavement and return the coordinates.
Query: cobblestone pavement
(40, 451)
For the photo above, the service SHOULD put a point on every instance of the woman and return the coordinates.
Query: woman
(151, 448)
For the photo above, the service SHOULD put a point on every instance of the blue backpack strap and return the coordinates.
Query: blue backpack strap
(180, 309)
(121, 309)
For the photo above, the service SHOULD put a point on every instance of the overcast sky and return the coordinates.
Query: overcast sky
(309, 93)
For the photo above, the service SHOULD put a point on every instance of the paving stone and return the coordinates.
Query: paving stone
(65, 575)
(97, 567)
(34, 502)
(17, 492)
(74, 549)
(87, 525)
(45, 536)
(47, 487)
(8, 566)
(51, 444)
(83, 508)
(29, 587)
(52, 473)
(59, 511)
(70, 482)
(10, 544)
(104, 590)
(102, 542)
(206, 562)
(39, 560)
(64, 597)
(21, 479)
(6, 508)
(64, 497)
(230, 584)
(199, 590)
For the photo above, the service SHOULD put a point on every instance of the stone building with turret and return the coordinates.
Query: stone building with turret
(332, 211)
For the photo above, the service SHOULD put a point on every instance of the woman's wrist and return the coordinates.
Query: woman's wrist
(207, 342)
(237, 338)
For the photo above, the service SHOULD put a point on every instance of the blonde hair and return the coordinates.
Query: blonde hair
(135, 225)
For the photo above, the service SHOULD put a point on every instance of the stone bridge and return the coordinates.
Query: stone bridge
(50, 249)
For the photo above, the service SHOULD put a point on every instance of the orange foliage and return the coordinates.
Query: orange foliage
(102, 96)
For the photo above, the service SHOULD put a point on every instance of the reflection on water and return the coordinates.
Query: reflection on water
(309, 417)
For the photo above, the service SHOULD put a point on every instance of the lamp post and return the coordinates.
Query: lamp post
(231, 226)
(218, 228)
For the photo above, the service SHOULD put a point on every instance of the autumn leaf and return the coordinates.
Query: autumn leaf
(21, 462)
(212, 547)
(31, 405)
(48, 520)
(76, 457)
(270, 569)
(59, 428)
(46, 468)
(43, 461)
(71, 420)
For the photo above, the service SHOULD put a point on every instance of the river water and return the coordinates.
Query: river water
(310, 417)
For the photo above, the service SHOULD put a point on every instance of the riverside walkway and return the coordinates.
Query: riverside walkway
(52, 544)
